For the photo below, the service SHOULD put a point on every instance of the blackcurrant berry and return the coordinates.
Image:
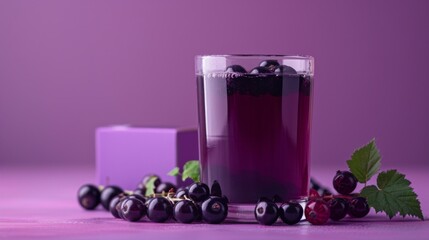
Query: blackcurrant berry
(132, 209)
(112, 206)
(146, 179)
(118, 208)
(266, 212)
(269, 64)
(185, 211)
(214, 210)
(317, 212)
(344, 182)
(285, 69)
(140, 191)
(258, 70)
(358, 207)
(107, 194)
(159, 209)
(165, 187)
(199, 192)
(181, 193)
(216, 189)
(137, 196)
(338, 208)
(236, 69)
(291, 213)
(88, 196)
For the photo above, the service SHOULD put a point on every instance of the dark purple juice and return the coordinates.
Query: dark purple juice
(255, 134)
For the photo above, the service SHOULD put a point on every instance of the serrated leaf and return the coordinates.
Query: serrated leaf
(365, 162)
(393, 195)
(150, 186)
(174, 172)
(191, 170)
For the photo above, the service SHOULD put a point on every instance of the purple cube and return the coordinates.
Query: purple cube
(125, 154)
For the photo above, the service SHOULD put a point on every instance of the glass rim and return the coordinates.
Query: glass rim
(282, 56)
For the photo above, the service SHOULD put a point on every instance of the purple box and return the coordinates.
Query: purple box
(124, 154)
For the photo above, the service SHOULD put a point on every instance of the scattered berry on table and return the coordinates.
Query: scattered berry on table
(291, 212)
(133, 209)
(266, 212)
(88, 196)
(185, 211)
(108, 193)
(214, 210)
(159, 209)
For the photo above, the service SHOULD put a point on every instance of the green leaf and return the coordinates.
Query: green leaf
(150, 186)
(393, 195)
(191, 170)
(174, 172)
(365, 162)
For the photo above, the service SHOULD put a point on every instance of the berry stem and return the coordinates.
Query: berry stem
(329, 197)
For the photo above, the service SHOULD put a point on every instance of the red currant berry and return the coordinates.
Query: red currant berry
(313, 193)
(317, 212)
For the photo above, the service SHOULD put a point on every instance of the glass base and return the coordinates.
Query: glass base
(245, 213)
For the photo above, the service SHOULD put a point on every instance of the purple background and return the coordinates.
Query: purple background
(67, 67)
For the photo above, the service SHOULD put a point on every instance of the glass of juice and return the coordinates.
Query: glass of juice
(254, 125)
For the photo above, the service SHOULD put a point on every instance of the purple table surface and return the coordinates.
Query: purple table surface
(41, 204)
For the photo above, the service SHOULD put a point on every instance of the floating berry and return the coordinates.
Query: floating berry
(258, 70)
(344, 182)
(236, 69)
(317, 212)
(285, 69)
(88, 196)
(270, 64)
(358, 207)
